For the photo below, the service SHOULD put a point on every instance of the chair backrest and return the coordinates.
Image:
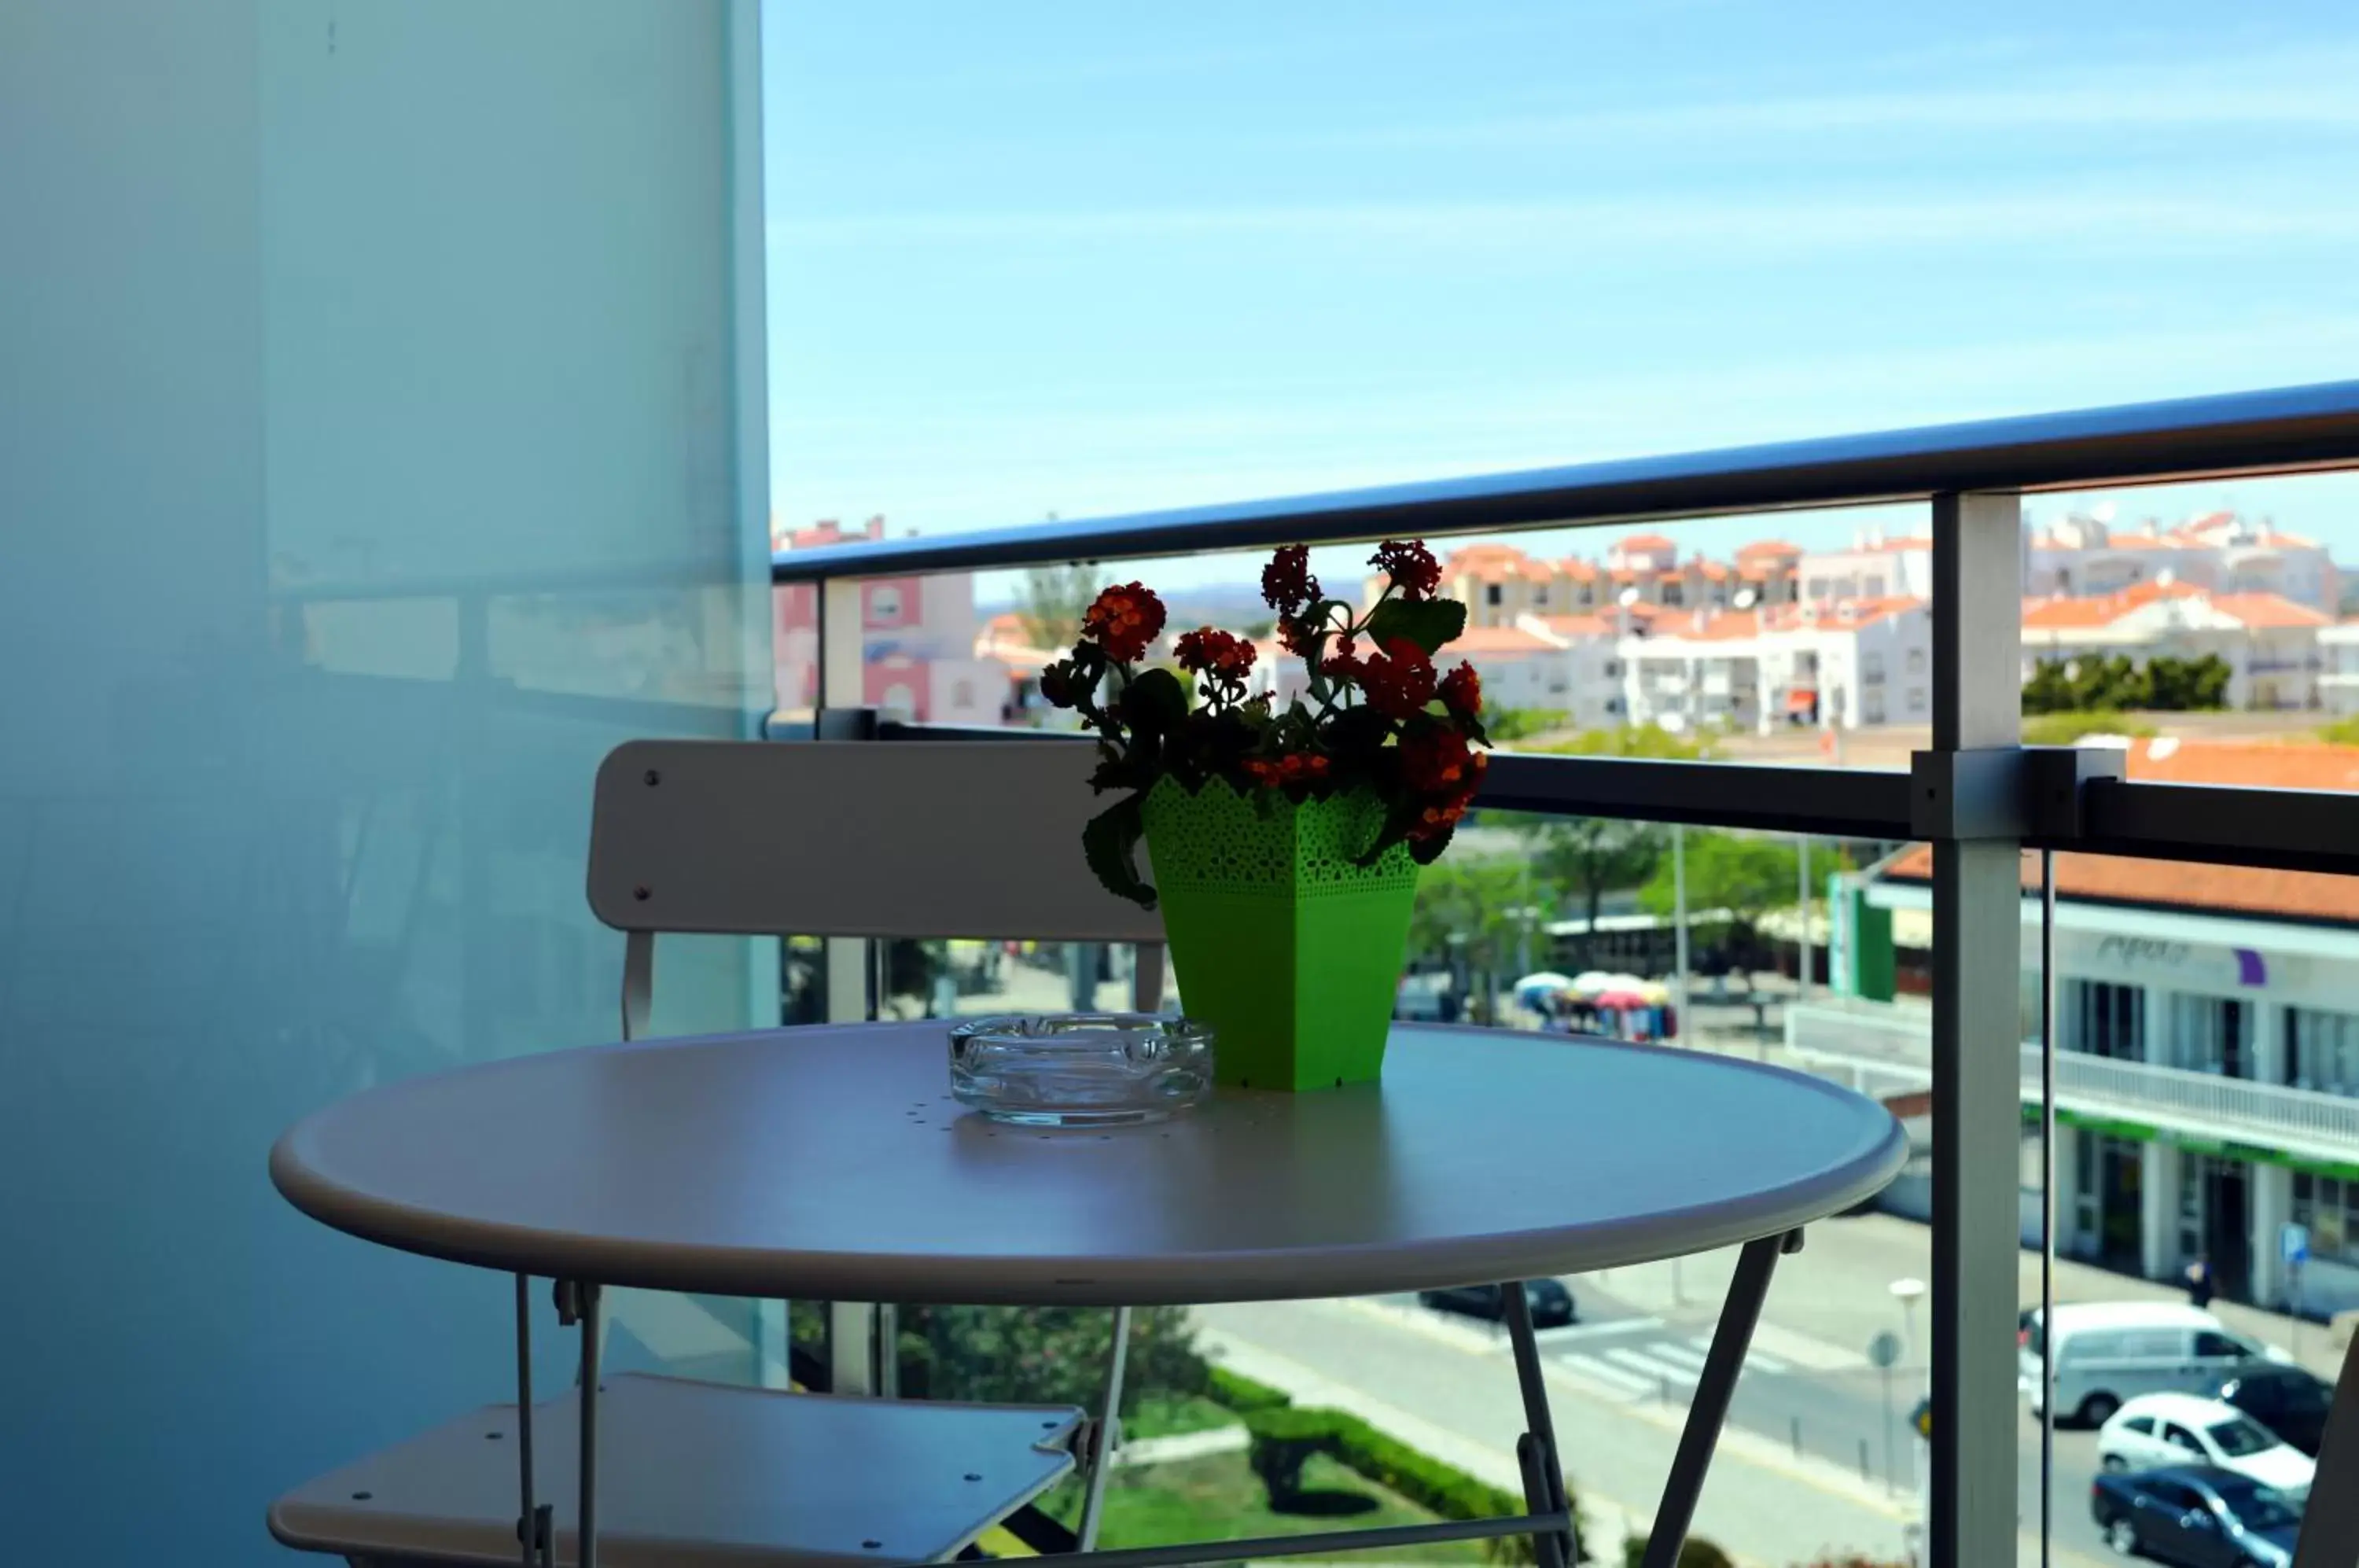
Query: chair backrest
(856, 838)
(2330, 1522)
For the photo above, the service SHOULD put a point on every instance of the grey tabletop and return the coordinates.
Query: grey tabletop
(830, 1162)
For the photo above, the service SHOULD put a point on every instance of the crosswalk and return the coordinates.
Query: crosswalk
(1603, 1353)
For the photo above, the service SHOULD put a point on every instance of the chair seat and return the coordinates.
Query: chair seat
(696, 1475)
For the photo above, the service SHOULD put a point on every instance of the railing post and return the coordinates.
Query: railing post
(860, 1335)
(1977, 1041)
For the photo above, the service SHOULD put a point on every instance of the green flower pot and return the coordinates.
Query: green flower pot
(1288, 950)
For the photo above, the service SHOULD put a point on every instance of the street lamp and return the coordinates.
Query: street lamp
(1908, 1292)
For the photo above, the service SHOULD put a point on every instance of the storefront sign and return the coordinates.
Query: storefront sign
(2193, 965)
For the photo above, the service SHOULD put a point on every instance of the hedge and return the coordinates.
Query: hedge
(1284, 1438)
(1242, 1394)
(1695, 1551)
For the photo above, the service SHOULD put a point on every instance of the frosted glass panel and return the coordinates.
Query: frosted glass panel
(370, 463)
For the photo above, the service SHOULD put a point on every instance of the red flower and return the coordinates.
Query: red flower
(1410, 566)
(1461, 691)
(1294, 768)
(1287, 584)
(1399, 681)
(1209, 651)
(1123, 619)
(1435, 821)
(1436, 760)
(1343, 660)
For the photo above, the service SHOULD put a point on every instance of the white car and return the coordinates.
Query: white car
(2156, 1429)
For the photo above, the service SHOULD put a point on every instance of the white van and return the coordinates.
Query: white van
(2108, 1352)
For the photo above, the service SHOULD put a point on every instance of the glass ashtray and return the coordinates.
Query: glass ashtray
(1081, 1068)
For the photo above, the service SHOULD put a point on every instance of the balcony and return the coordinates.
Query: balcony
(1889, 1050)
(398, 437)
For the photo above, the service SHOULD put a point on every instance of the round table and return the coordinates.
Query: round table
(830, 1162)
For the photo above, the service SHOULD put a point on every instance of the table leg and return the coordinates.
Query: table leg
(577, 1303)
(1709, 1412)
(1536, 1449)
(532, 1519)
(1101, 1437)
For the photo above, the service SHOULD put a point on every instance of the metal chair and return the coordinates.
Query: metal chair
(2330, 1524)
(860, 839)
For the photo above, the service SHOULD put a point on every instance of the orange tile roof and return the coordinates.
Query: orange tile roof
(1760, 548)
(1498, 639)
(2220, 889)
(2063, 611)
(1579, 570)
(2259, 611)
(1494, 563)
(2267, 612)
(1577, 626)
(1651, 544)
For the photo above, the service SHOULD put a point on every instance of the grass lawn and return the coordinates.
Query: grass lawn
(1219, 1498)
(1168, 1415)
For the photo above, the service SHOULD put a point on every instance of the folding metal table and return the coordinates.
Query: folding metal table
(830, 1162)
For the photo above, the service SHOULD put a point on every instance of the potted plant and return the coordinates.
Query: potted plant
(1285, 838)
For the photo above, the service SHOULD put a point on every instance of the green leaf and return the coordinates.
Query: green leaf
(1110, 843)
(1429, 622)
(1155, 702)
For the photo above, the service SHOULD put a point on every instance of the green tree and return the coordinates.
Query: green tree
(1052, 600)
(1505, 725)
(1591, 856)
(1650, 741)
(1048, 1355)
(1735, 878)
(1468, 912)
(2048, 689)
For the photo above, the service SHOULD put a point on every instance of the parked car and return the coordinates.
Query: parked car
(2108, 1352)
(2196, 1516)
(2289, 1400)
(2185, 1429)
(1550, 1302)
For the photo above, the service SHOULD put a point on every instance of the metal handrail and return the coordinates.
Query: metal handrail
(1899, 1046)
(2281, 431)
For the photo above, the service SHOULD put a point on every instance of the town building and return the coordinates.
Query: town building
(1876, 567)
(1851, 664)
(2085, 554)
(2338, 667)
(1500, 584)
(917, 637)
(2208, 1035)
(2269, 643)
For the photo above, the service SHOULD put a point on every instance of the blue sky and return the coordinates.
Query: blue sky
(1090, 259)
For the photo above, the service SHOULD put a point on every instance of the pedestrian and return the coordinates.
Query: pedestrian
(2199, 1281)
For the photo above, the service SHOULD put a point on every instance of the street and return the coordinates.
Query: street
(1805, 1467)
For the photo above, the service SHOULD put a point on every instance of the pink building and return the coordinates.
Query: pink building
(917, 637)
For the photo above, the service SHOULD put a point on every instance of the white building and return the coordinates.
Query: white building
(1566, 664)
(2270, 643)
(1854, 664)
(1874, 568)
(2338, 667)
(2221, 551)
(2208, 1026)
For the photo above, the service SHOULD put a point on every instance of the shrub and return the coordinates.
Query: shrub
(2064, 729)
(1241, 1393)
(1695, 1551)
(1283, 1440)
